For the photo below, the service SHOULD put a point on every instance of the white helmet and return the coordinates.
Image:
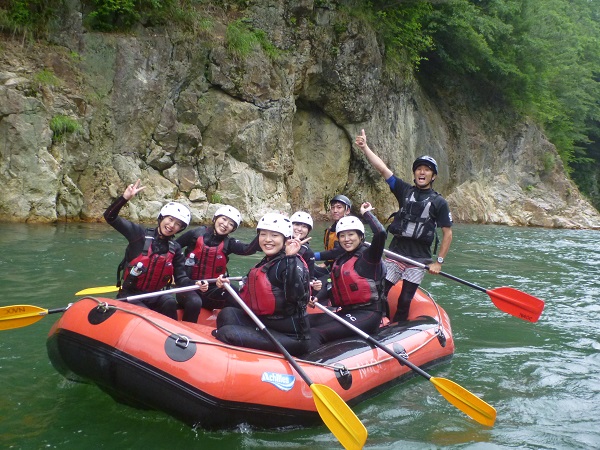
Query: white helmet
(275, 222)
(176, 210)
(349, 223)
(229, 212)
(302, 217)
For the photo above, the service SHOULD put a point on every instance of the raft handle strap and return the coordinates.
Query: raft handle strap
(180, 344)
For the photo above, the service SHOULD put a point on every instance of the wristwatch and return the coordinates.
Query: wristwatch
(440, 260)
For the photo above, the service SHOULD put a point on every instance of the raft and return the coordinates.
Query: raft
(149, 361)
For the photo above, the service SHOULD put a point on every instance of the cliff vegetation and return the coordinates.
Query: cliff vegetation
(256, 104)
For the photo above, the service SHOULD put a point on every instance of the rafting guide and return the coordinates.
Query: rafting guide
(421, 212)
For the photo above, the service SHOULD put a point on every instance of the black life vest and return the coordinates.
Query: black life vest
(350, 288)
(210, 261)
(414, 220)
(158, 268)
(263, 298)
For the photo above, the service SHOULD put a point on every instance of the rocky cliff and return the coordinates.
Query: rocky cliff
(198, 123)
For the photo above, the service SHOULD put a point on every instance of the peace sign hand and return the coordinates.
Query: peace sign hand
(132, 190)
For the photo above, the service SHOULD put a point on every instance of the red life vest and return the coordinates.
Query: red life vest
(263, 298)
(158, 268)
(210, 261)
(349, 288)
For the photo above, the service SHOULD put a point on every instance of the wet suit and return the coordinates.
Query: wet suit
(309, 258)
(367, 314)
(136, 236)
(288, 277)
(215, 298)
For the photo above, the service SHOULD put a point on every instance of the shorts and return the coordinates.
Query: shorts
(397, 271)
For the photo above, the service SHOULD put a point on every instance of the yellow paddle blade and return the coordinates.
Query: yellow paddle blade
(17, 316)
(339, 418)
(97, 290)
(467, 402)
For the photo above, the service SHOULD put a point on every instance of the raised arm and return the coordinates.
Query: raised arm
(240, 248)
(127, 228)
(375, 251)
(374, 160)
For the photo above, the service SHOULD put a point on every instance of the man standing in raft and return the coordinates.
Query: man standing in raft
(421, 211)
(160, 256)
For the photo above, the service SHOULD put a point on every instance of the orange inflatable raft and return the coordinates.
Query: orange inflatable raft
(146, 360)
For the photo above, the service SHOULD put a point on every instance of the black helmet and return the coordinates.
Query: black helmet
(341, 199)
(425, 160)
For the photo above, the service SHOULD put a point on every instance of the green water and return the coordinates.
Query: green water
(543, 378)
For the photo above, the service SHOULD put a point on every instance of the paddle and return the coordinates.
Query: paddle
(108, 289)
(97, 290)
(17, 316)
(336, 414)
(510, 300)
(458, 396)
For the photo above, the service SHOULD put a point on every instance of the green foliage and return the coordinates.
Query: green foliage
(28, 17)
(266, 44)
(541, 57)
(400, 25)
(111, 15)
(241, 40)
(215, 197)
(46, 77)
(62, 125)
(549, 162)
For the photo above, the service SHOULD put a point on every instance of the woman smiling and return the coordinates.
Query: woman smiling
(276, 290)
(357, 279)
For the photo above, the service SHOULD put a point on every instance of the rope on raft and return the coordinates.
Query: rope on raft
(103, 305)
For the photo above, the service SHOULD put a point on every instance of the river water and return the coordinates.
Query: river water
(543, 378)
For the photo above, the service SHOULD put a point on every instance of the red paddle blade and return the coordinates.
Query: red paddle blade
(517, 303)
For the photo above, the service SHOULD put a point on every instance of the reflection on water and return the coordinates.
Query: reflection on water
(543, 378)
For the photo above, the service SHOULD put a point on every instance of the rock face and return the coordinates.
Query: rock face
(200, 124)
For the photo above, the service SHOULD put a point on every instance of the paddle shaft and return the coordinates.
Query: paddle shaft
(458, 396)
(426, 267)
(193, 287)
(372, 341)
(334, 412)
(112, 288)
(263, 328)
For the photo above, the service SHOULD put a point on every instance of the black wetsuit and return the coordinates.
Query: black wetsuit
(290, 327)
(215, 298)
(366, 316)
(309, 258)
(136, 236)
